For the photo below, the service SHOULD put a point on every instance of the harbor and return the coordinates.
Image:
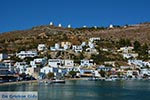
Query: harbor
(88, 90)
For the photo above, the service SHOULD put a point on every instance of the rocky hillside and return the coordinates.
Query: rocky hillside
(29, 39)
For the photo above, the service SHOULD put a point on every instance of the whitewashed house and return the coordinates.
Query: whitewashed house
(3, 56)
(33, 71)
(130, 55)
(96, 73)
(21, 67)
(144, 71)
(57, 47)
(94, 39)
(91, 45)
(83, 44)
(55, 62)
(85, 62)
(46, 70)
(10, 64)
(38, 61)
(126, 49)
(129, 73)
(41, 47)
(24, 54)
(4, 69)
(109, 63)
(68, 63)
(77, 49)
(136, 62)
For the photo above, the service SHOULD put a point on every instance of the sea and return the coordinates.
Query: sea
(87, 90)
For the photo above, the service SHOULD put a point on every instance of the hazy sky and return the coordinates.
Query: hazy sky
(24, 14)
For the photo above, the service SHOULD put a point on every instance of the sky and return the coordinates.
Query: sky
(25, 14)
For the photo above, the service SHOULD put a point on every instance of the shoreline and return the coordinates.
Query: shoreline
(36, 81)
(18, 82)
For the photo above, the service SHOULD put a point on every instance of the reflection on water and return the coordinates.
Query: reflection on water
(87, 90)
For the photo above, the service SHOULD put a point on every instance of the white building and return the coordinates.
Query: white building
(139, 63)
(42, 47)
(38, 61)
(57, 46)
(24, 54)
(66, 47)
(55, 62)
(4, 70)
(129, 73)
(21, 67)
(77, 48)
(86, 62)
(68, 63)
(96, 73)
(130, 55)
(91, 45)
(94, 39)
(46, 70)
(143, 71)
(83, 44)
(33, 71)
(10, 64)
(126, 49)
(3, 56)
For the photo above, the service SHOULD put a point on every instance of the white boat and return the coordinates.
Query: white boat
(58, 81)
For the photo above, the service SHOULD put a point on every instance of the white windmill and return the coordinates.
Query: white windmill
(59, 25)
(84, 26)
(111, 26)
(95, 27)
(69, 26)
(51, 23)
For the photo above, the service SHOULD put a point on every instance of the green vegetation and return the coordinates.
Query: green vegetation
(102, 73)
(124, 42)
(50, 75)
(73, 74)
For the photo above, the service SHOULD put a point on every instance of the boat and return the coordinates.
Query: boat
(46, 82)
(58, 81)
(95, 79)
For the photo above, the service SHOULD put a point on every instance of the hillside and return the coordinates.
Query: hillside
(29, 39)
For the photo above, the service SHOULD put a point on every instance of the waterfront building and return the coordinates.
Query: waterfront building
(21, 67)
(46, 70)
(33, 71)
(38, 62)
(3, 56)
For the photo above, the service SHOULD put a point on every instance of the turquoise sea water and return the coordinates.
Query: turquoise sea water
(87, 90)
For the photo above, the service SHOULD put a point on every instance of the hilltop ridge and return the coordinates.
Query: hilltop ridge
(29, 39)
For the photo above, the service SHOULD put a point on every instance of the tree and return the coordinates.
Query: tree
(128, 43)
(102, 73)
(137, 46)
(50, 75)
(124, 42)
(72, 73)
